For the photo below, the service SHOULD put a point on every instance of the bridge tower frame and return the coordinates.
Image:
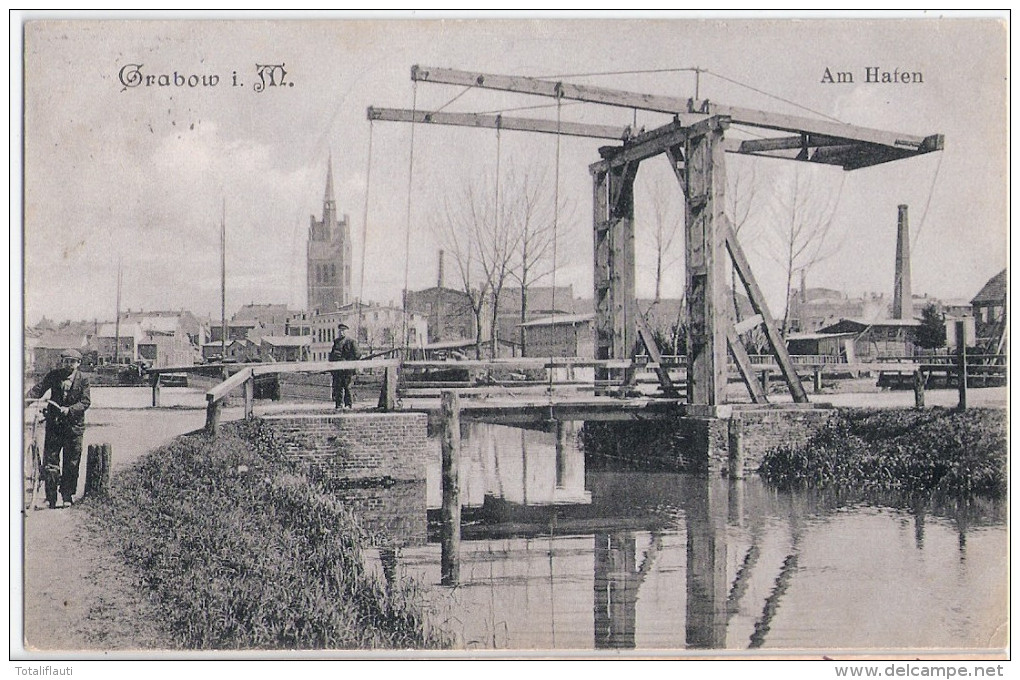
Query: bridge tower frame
(695, 145)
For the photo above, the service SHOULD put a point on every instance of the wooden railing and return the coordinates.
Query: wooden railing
(482, 376)
(398, 372)
(245, 378)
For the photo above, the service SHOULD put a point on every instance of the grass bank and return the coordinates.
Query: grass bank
(934, 451)
(239, 550)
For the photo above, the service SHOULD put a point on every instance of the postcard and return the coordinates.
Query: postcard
(676, 336)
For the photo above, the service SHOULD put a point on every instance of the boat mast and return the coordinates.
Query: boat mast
(223, 282)
(116, 333)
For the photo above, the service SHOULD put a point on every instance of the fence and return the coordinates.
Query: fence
(412, 377)
(426, 379)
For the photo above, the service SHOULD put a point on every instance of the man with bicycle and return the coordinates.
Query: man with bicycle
(65, 425)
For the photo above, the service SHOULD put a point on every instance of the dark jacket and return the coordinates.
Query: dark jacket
(78, 397)
(344, 349)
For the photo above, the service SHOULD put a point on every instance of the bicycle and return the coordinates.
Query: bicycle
(33, 462)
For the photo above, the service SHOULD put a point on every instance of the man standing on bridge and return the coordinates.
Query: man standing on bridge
(344, 349)
(70, 396)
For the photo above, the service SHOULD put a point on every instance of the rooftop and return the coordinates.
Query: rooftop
(558, 320)
(993, 292)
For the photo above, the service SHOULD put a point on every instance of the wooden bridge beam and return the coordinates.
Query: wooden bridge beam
(705, 181)
(501, 122)
(757, 299)
(688, 112)
(615, 304)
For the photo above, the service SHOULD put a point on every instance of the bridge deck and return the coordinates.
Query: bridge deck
(537, 411)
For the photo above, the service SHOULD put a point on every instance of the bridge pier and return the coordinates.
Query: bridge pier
(725, 440)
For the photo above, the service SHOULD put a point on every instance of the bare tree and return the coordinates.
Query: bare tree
(477, 230)
(802, 218)
(740, 200)
(502, 232)
(457, 230)
(497, 245)
(533, 217)
(668, 217)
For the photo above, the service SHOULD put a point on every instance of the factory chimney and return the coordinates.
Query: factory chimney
(440, 284)
(903, 305)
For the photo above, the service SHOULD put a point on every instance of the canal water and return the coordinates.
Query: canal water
(560, 554)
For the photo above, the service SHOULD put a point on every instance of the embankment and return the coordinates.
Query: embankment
(934, 451)
(240, 550)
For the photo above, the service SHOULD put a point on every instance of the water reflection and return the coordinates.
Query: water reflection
(559, 554)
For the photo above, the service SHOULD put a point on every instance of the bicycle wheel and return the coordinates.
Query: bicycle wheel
(33, 475)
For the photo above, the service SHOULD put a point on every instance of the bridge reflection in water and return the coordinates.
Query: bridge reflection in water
(557, 554)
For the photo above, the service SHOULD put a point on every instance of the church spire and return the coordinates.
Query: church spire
(328, 200)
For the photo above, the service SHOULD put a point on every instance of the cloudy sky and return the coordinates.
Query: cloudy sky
(141, 174)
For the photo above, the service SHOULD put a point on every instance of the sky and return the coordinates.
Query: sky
(142, 176)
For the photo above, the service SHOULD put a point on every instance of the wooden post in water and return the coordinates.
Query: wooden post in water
(104, 474)
(450, 530)
(97, 470)
(212, 416)
(91, 466)
(249, 397)
(961, 373)
(388, 395)
(736, 446)
(918, 389)
(155, 390)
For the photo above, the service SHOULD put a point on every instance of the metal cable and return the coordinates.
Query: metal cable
(364, 233)
(407, 231)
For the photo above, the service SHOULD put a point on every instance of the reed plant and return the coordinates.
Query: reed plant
(239, 549)
(935, 451)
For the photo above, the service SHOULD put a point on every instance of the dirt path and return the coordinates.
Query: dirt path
(78, 594)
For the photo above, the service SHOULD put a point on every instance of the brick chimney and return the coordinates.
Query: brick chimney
(903, 305)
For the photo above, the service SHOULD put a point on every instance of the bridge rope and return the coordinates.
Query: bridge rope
(555, 239)
(927, 203)
(407, 230)
(364, 234)
(496, 238)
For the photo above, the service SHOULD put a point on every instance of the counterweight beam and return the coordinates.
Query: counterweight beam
(500, 122)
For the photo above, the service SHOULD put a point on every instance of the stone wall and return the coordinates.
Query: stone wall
(357, 446)
(700, 444)
(765, 429)
(392, 516)
(372, 462)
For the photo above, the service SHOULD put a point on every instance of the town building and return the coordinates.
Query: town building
(542, 301)
(376, 328)
(164, 343)
(839, 346)
(241, 329)
(448, 313)
(119, 344)
(812, 309)
(989, 305)
(567, 335)
(186, 322)
(285, 347)
(329, 255)
(48, 346)
(269, 319)
(879, 338)
(237, 350)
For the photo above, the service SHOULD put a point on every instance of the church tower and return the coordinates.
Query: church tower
(329, 254)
